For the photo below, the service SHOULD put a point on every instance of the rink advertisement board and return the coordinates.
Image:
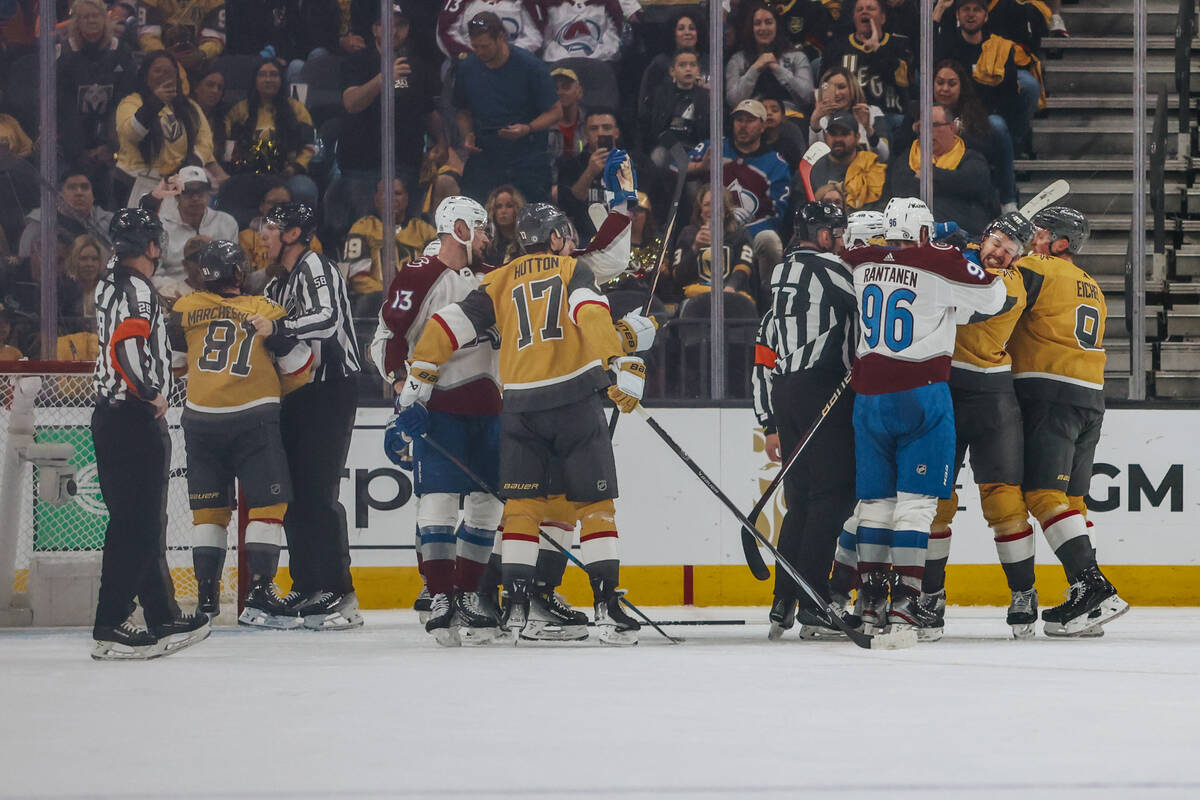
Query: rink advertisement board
(681, 543)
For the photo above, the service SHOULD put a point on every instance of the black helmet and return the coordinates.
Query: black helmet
(295, 215)
(132, 229)
(537, 221)
(1064, 223)
(221, 264)
(1015, 227)
(814, 216)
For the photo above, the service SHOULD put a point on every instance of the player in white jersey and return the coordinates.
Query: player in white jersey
(909, 293)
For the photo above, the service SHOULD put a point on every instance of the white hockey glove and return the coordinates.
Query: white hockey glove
(637, 332)
(630, 385)
(418, 386)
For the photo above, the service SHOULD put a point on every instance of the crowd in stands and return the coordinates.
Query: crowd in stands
(249, 103)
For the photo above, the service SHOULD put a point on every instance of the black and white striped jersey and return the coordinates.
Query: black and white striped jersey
(318, 304)
(811, 324)
(135, 358)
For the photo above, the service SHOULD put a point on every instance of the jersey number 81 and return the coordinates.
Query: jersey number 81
(887, 318)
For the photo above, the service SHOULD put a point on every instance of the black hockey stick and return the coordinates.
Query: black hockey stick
(886, 641)
(570, 556)
(749, 544)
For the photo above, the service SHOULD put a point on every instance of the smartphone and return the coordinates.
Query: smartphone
(605, 142)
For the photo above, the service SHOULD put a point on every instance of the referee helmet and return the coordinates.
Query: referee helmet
(133, 229)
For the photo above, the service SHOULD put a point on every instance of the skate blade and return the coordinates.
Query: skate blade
(928, 634)
(776, 632)
(182, 641)
(614, 638)
(447, 637)
(479, 636)
(1109, 609)
(110, 651)
(333, 622)
(537, 631)
(1055, 631)
(895, 640)
(254, 618)
(818, 633)
(1023, 630)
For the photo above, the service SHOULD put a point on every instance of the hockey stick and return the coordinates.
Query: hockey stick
(748, 542)
(885, 641)
(1046, 197)
(478, 481)
(815, 152)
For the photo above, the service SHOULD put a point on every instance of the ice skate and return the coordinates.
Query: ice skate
(478, 624)
(422, 603)
(814, 626)
(443, 621)
(931, 616)
(326, 611)
(1091, 601)
(782, 616)
(552, 620)
(873, 594)
(263, 608)
(1023, 614)
(613, 625)
(125, 642)
(208, 597)
(516, 614)
(904, 612)
(182, 632)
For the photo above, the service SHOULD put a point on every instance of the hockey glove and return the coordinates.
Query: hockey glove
(418, 386)
(631, 383)
(413, 421)
(620, 181)
(637, 332)
(396, 446)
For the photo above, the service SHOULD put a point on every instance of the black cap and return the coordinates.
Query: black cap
(485, 22)
(841, 119)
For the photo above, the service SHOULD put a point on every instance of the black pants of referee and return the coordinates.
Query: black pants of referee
(819, 489)
(133, 455)
(316, 422)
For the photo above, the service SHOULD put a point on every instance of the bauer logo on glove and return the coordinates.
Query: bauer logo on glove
(631, 383)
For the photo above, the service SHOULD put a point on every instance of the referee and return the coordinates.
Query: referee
(804, 349)
(133, 451)
(316, 420)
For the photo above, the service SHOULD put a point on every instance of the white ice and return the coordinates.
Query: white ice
(385, 712)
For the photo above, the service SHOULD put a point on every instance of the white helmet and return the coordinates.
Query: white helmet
(904, 217)
(863, 225)
(455, 208)
(433, 248)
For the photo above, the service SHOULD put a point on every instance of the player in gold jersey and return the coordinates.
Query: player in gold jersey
(231, 427)
(1058, 370)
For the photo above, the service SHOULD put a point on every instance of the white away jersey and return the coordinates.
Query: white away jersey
(907, 300)
(519, 17)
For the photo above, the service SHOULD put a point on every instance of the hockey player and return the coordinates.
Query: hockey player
(1058, 370)
(231, 429)
(987, 421)
(804, 347)
(461, 415)
(864, 227)
(908, 294)
(557, 343)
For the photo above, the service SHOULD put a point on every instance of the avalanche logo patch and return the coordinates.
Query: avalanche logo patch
(580, 37)
(745, 202)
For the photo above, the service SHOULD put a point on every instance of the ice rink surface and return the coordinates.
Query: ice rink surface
(384, 712)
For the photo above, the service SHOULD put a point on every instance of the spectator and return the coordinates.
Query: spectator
(77, 214)
(13, 139)
(8, 352)
(193, 31)
(22, 189)
(208, 92)
(192, 280)
(581, 29)
(783, 135)
(363, 251)
(808, 25)
(881, 61)
(687, 30)
(275, 193)
(123, 13)
(415, 85)
(520, 25)
(1022, 22)
(95, 70)
(861, 174)
(830, 193)
(502, 206)
(566, 138)
(84, 264)
(644, 242)
(505, 102)
(21, 290)
(692, 270)
(189, 215)
(840, 91)
(962, 188)
(759, 179)
(677, 113)
(766, 64)
(285, 29)
(158, 127)
(272, 133)
(82, 345)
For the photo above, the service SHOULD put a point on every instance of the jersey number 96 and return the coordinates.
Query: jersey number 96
(887, 319)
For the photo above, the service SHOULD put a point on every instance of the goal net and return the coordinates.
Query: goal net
(45, 436)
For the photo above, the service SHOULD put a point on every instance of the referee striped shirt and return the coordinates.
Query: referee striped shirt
(811, 324)
(318, 305)
(135, 359)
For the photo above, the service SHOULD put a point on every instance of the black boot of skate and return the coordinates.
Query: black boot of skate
(613, 625)
(443, 620)
(873, 593)
(264, 608)
(1091, 602)
(422, 604)
(552, 620)
(478, 623)
(182, 632)
(516, 608)
(930, 614)
(782, 617)
(1023, 613)
(124, 642)
(208, 597)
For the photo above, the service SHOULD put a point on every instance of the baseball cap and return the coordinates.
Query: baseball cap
(565, 73)
(841, 119)
(485, 22)
(194, 178)
(751, 107)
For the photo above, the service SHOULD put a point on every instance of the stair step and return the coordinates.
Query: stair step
(1176, 385)
(1115, 19)
(1159, 42)
(1115, 285)
(1182, 322)
(1123, 165)
(1116, 76)
(1105, 102)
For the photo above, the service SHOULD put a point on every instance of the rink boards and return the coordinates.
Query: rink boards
(680, 546)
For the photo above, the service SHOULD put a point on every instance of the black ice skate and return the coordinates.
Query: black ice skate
(613, 625)
(208, 597)
(873, 594)
(125, 642)
(551, 619)
(478, 624)
(181, 632)
(930, 614)
(443, 620)
(815, 625)
(326, 611)
(516, 611)
(782, 617)
(263, 608)
(1023, 614)
(1091, 601)
(422, 603)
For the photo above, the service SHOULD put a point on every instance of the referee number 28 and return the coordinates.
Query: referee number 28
(222, 338)
(888, 319)
(524, 297)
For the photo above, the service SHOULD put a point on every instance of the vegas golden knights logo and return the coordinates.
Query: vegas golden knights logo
(770, 522)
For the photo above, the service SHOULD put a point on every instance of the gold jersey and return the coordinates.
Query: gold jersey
(230, 370)
(1058, 344)
(361, 255)
(981, 360)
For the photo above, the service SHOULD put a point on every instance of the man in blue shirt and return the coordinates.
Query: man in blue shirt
(506, 102)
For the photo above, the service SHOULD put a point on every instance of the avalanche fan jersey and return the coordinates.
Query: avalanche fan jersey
(230, 370)
(518, 16)
(1058, 345)
(981, 361)
(907, 299)
(556, 333)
